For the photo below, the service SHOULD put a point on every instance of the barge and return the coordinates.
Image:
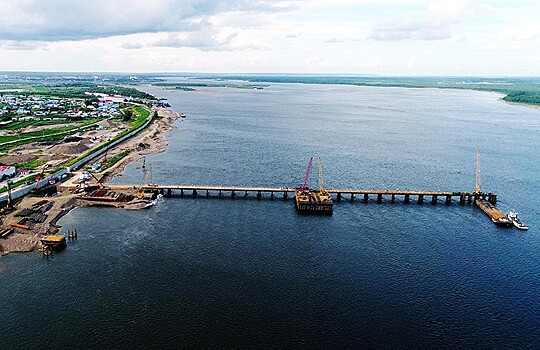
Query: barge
(316, 202)
(495, 214)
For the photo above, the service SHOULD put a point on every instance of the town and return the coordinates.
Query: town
(42, 133)
(34, 108)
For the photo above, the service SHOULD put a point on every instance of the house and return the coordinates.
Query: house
(6, 171)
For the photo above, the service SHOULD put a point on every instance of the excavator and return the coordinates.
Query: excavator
(100, 184)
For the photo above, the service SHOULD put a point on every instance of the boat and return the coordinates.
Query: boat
(513, 216)
(183, 115)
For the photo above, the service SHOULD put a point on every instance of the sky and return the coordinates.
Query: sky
(381, 37)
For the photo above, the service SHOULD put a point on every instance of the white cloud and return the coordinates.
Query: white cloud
(56, 20)
(428, 36)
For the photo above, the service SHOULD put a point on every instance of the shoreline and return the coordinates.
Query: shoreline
(519, 104)
(54, 208)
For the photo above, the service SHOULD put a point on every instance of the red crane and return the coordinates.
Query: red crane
(307, 174)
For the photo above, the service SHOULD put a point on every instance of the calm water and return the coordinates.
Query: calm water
(223, 273)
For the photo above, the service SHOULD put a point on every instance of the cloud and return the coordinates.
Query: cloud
(22, 45)
(398, 30)
(206, 40)
(436, 24)
(132, 46)
(293, 35)
(57, 20)
(334, 41)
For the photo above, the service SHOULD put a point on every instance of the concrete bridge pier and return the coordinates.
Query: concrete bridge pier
(420, 198)
(352, 197)
(272, 195)
(462, 198)
(379, 197)
(285, 195)
(448, 199)
(220, 194)
(169, 192)
(246, 194)
(207, 194)
(393, 197)
(339, 196)
(434, 199)
(182, 193)
(233, 194)
(407, 198)
(259, 194)
(366, 197)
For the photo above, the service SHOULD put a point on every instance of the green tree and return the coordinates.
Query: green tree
(127, 114)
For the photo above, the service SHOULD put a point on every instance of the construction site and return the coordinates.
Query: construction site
(33, 219)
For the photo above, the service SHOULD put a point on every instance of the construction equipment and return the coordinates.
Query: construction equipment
(478, 187)
(94, 176)
(307, 175)
(321, 186)
(10, 200)
(317, 201)
(39, 177)
(145, 182)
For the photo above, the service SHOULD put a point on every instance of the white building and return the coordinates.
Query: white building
(6, 171)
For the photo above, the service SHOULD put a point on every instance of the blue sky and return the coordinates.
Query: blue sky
(385, 37)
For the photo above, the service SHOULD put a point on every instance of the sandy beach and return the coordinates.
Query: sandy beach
(50, 209)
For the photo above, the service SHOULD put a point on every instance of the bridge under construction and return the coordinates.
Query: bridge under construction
(321, 196)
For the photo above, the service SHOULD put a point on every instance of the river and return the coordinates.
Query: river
(248, 273)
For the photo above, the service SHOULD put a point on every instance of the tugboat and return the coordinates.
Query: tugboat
(517, 223)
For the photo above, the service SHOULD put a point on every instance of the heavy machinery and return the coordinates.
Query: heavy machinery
(39, 177)
(140, 195)
(100, 184)
(10, 200)
(313, 201)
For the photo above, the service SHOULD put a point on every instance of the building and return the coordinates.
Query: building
(6, 171)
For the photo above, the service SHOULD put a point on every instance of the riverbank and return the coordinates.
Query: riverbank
(48, 210)
(519, 104)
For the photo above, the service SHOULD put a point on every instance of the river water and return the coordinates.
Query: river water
(244, 273)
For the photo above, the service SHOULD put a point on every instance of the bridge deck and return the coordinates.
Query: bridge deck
(292, 189)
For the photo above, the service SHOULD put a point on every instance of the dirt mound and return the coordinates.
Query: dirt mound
(19, 158)
(70, 148)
